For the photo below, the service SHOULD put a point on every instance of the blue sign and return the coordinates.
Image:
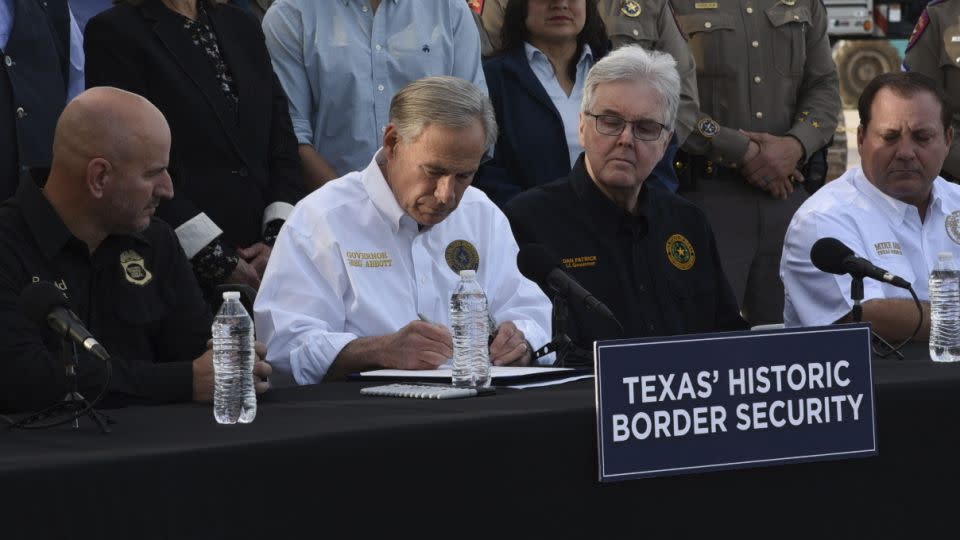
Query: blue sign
(707, 402)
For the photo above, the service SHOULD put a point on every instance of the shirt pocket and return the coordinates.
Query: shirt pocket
(421, 49)
(141, 306)
(788, 38)
(709, 34)
(641, 30)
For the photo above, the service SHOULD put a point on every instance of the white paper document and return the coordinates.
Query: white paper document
(447, 373)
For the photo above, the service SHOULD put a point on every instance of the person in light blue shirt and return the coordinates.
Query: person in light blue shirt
(41, 69)
(341, 61)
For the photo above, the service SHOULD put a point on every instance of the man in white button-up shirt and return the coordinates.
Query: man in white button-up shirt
(895, 211)
(361, 259)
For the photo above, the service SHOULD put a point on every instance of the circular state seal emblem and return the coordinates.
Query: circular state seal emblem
(630, 8)
(462, 255)
(953, 226)
(681, 252)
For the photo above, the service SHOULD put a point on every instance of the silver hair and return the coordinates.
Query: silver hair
(633, 63)
(447, 101)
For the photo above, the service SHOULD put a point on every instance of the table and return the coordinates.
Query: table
(323, 461)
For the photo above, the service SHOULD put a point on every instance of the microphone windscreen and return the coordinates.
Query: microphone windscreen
(535, 261)
(828, 255)
(37, 300)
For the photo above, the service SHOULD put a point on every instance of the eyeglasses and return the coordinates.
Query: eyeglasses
(643, 130)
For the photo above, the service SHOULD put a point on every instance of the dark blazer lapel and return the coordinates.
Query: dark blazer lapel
(168, 27)
(515, 65)
(246, 81)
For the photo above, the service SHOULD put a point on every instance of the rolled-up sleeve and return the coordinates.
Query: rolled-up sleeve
(300, 314)
(283, 29)
(513, 297)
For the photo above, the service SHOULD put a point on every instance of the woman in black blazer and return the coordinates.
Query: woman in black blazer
(234, 156)
(532, 146)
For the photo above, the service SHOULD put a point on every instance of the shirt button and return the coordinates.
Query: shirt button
(21, 113)
(757, 79)
(380, 88)
(759, 114)
(378, 47)
(796, 17)
(364, 9)
(755, 44)
(749, 10)
(708, 24)
(8, 61)
(635, 32)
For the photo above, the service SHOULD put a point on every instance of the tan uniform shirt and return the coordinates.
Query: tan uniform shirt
(935, 52)
(649, 23)
(764, 66)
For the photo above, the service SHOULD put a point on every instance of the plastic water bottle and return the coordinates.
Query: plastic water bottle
(945, 310)
(471, 329)
(234, 397)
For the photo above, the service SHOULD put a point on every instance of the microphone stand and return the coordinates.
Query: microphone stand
(73, 403)
(561, 342)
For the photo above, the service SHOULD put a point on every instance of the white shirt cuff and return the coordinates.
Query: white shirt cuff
(196, 233)
(277, 210)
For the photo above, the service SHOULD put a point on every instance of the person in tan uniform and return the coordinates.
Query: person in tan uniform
(934, 50)
(648, 23)
(769, 92)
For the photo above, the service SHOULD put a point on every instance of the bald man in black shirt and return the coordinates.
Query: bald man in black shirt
(91, 233)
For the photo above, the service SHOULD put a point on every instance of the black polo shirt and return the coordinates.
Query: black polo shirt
(657, 270)
(136, 294)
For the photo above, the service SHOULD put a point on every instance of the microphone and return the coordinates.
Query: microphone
(44, 304)
(537, 263)
(833, 256)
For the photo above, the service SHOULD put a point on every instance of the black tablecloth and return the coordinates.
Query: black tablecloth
(323, 460)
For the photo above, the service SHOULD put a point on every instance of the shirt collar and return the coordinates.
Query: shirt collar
(47, 226)
(381, 195)
(895, 209)
(533, 54)
(606, 215)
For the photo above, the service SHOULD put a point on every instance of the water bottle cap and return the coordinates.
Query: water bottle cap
(231, 295)
(468, 274)
(945, 256)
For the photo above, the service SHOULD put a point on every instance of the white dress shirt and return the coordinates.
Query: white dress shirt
(877, 227)
(351, 263)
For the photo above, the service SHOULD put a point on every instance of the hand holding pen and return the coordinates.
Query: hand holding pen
(508, 345)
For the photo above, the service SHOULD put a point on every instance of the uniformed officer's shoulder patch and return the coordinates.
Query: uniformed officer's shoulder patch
(922, 24)
(953, 226)
(630, 8)
(134, 269)
(476, 5)
(680, 252)
(462, 255)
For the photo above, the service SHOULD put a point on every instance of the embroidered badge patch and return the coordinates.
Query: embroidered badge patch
(462, 255)
(134, 269)
(953, 226)
(680, 252)
(630, 8)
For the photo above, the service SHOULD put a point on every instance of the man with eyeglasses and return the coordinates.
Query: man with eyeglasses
(647, 254)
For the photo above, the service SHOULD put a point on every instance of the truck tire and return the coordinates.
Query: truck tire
(859, 61)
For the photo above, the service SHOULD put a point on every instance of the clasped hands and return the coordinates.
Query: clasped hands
(427, 345)
(770, 163)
